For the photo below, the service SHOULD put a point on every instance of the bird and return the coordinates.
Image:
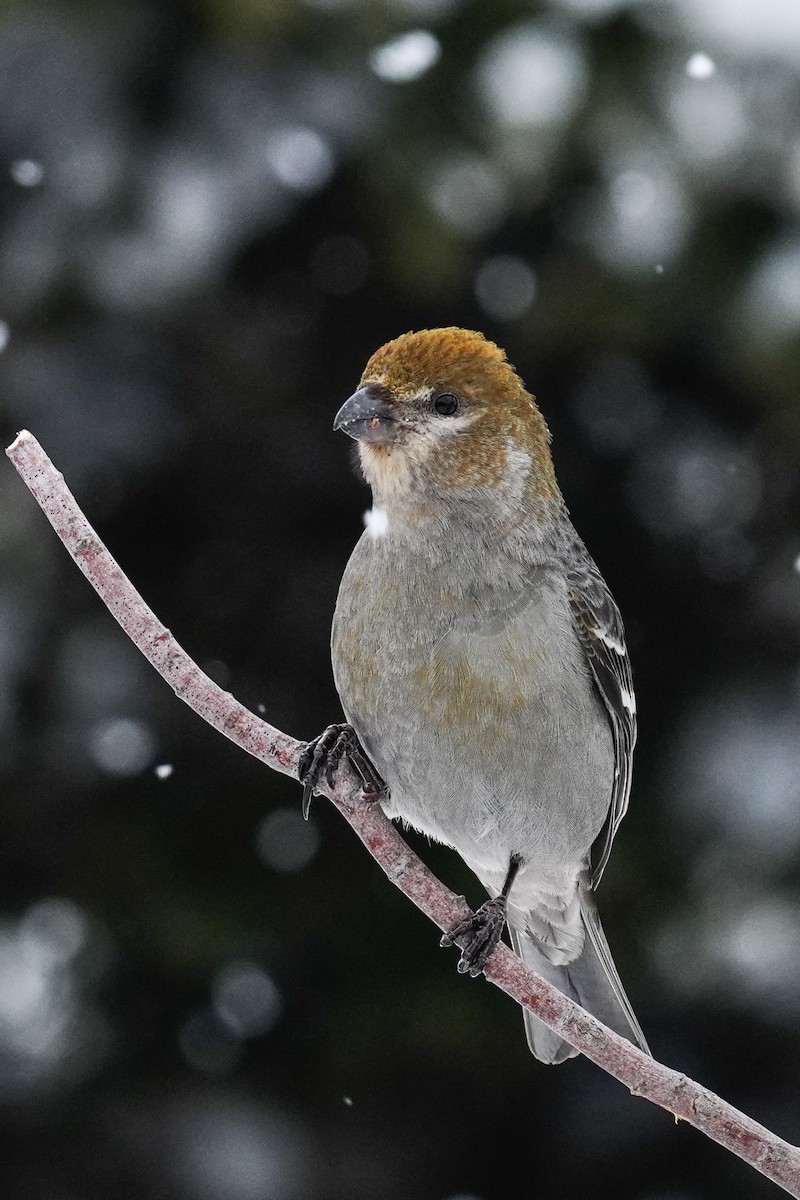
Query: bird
(481, 662)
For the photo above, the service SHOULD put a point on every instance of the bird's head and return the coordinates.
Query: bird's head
(441, 416)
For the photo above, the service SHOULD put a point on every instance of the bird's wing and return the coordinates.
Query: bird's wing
(599, 626)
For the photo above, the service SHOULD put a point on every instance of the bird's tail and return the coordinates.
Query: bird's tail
(591, 980)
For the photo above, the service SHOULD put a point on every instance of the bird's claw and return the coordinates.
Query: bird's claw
(322, 757)
(477, 935)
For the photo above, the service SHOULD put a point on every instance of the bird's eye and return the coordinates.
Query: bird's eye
(446, 404)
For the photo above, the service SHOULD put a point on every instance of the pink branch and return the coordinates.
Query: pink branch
(770, 1155)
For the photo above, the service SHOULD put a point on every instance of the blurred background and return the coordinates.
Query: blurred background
(210, 215)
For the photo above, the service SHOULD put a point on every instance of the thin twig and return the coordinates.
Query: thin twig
(769, 1154)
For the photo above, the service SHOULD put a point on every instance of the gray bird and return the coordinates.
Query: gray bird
(481, 661)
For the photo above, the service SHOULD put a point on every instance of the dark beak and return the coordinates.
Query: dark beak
(368, 415)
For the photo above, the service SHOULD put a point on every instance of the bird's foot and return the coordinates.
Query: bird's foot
(322, 757)
(477, 935)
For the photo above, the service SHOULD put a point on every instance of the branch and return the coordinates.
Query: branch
(769, 1154)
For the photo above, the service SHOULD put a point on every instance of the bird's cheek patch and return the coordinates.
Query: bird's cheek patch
(470, 464)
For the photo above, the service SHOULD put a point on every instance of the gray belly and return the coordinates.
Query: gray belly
(481, 714)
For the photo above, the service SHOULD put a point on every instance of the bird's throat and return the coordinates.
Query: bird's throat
(387, 470)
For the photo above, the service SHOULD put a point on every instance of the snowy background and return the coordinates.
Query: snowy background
(211, 213)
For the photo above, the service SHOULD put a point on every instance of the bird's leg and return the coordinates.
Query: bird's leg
(321, 759)
(479, 933)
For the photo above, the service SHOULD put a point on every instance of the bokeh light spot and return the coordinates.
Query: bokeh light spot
(235, 1149)
(301, 158)
(407, 57)
(53, 931)
(207, 1045)
(700, 66)
(245, 999)
(529, 75)
(468, 193)
(27, 173)
(285, 842)
(505, 287)
(773, 297)
(122, 746)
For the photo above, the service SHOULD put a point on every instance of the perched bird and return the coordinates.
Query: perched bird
(481, 661)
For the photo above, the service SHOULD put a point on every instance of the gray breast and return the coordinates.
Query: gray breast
(476, 705)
